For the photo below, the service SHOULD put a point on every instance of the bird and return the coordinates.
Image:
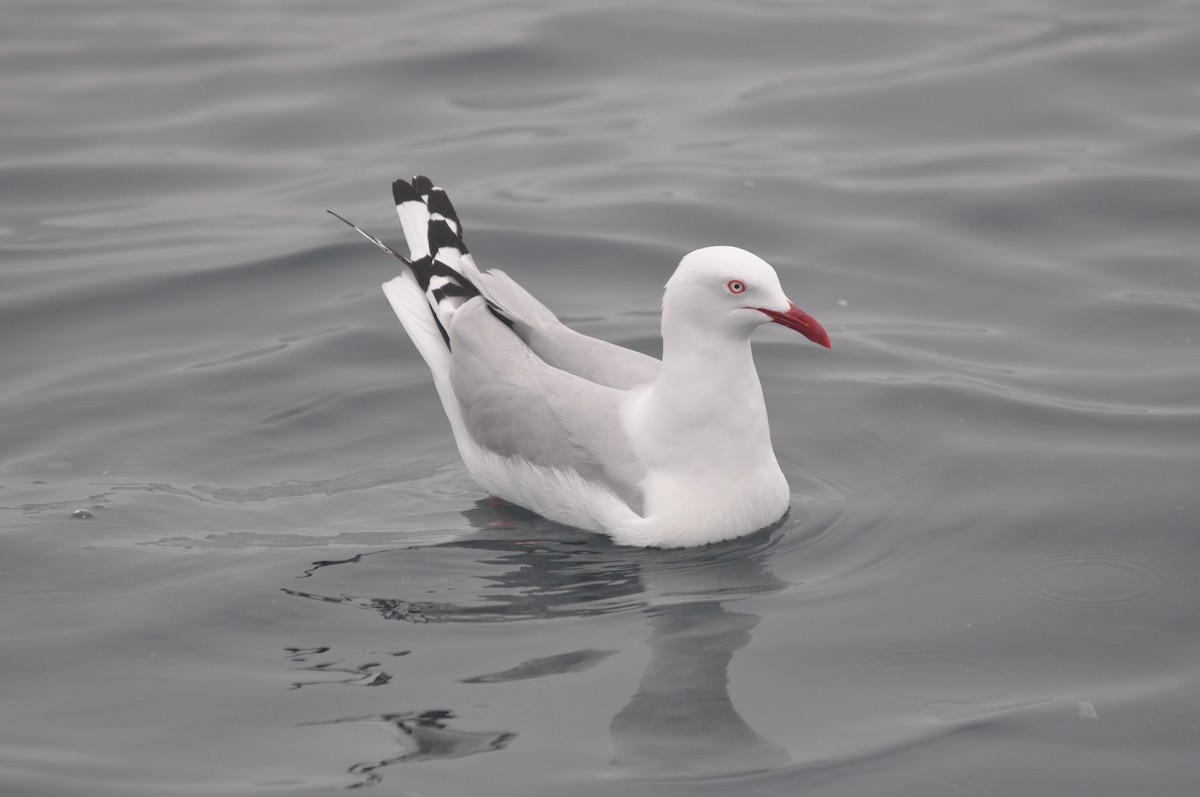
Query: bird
(654, 453)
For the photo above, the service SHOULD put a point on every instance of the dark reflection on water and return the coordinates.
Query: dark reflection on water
(574, 661)
(424, 736)
(681, 721)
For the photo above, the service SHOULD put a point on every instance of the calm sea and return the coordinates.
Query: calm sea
(239, 554)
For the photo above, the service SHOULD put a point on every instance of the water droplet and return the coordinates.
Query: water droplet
(1087, 711)
(81, 514)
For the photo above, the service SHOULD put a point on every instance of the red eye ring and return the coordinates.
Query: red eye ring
(736, 286)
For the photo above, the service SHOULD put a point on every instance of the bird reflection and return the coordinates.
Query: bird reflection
(680, 721)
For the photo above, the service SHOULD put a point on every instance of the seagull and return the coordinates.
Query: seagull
(671, 453)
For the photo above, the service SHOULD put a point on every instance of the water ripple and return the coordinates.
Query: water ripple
(949, 684)
(1093, 581)
(867, 779)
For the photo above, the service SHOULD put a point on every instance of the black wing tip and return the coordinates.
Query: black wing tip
(423, 268)
(403, 192)
(428, 267)
(439, 203)
(441, 236)
(422, 184)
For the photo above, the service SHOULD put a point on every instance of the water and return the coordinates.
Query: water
(240, 555)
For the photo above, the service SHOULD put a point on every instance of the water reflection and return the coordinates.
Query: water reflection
(680, 721)
(424, 736)
(574, 661)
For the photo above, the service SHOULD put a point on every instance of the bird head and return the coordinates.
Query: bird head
(729, 288)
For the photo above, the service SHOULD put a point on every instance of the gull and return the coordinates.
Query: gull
(670, 453)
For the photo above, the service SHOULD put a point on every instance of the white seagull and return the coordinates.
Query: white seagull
(669, 453)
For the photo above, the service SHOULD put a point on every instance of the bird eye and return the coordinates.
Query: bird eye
(736, 286)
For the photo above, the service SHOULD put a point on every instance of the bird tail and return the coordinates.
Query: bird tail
(435, 282)
(438, 278)
(440, 274)
(431, 224)
(440, 266)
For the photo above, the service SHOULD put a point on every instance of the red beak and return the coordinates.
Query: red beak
(802, 322)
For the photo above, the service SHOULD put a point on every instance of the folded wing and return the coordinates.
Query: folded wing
(515, 404)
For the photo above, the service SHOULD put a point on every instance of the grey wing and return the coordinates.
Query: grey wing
(591, 358)
(562, 347)
(517, 405)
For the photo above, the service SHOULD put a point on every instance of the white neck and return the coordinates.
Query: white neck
(707, 402)
(701, 431)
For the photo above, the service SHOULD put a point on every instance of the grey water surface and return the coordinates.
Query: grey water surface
(239, 554)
